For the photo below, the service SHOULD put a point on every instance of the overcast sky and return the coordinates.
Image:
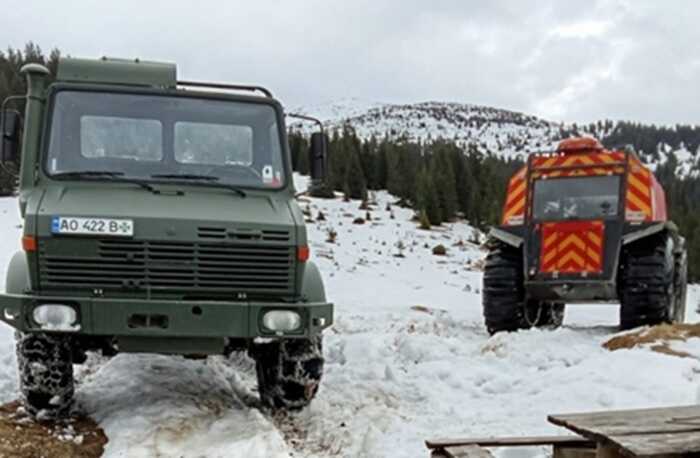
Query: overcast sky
(562, 60)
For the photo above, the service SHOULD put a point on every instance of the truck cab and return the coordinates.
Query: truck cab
(159, 216)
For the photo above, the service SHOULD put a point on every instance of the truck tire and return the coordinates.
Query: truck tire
(289, 372)
(503, 297)
(646, 282)
(45, 374)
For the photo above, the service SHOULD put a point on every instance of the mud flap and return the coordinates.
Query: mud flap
(17, 279)
(500, 235)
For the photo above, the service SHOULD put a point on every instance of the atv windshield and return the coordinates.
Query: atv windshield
(576, 198)
(165, 138)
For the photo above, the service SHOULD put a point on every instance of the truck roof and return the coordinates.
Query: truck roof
(578, 153)
(117, 71)
(136, 72)
(579, 145)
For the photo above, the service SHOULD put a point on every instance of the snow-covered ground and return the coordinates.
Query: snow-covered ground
(407, 359)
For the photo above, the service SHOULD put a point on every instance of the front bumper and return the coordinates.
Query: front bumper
(166, 318)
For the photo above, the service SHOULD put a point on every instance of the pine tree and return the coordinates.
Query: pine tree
(443, 178)
(299, 149)
(354, 182)
(381, 165)
(424, 220)
(426, 198)
(337, 162)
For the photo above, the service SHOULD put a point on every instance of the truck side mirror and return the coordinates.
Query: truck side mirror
(318, 154)
(10, 128)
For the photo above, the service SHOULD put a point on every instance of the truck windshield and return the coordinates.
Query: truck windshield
(576, 197)
(158, 138)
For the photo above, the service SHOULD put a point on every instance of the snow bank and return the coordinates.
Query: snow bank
(10, 233)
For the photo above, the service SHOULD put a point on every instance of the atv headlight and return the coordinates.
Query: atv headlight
(56, 317)
(281, 320)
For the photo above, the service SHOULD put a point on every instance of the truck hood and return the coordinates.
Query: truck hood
(169, 215)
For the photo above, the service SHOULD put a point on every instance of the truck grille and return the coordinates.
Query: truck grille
(191, 267)
(210, 232)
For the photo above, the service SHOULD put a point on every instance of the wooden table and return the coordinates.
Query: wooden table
(658, 433)
(665, 432)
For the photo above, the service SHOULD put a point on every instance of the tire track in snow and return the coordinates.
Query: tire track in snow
(153, 405)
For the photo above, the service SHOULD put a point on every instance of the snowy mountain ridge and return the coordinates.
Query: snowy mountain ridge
(503, 133)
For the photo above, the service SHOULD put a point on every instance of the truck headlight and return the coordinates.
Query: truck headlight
(56, 317)
(281, 320)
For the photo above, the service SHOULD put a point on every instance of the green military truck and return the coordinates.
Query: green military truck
(159, 217)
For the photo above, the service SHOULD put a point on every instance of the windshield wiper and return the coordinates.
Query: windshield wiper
(88, 173)
(108, 174)
(187, 176)
(208, 179)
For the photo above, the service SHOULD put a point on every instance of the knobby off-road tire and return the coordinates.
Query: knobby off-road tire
(503, 294)
(289, 371)
(647, 280)
(45, 374)
(503, 298)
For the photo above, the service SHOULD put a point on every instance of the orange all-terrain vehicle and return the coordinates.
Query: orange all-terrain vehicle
(584, 224)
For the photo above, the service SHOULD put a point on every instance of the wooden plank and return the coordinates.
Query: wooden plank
(635, 421)
(565, 451)
(466, 451)
(608, 451)
(655, 445)
(643, 433)
(509, 441)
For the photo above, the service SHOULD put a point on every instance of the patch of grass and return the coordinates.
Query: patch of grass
(657, 337)
(424, 221)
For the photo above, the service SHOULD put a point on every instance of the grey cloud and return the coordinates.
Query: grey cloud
(573, 61)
